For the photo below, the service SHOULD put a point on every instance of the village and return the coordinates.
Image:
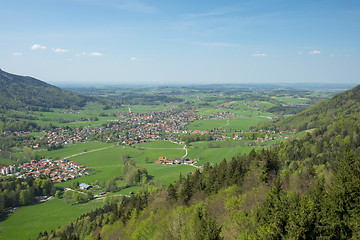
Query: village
(58, 170)
(131, 128)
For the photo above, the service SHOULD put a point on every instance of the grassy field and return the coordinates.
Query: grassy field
(144, 108)
(27, 222)
(245, 123)
(72, 149)
(292, 100)
(239, 123)
(167, 174)
(64, 117)
(160, 144)
(107, 163)
(227, 150)
(6, 161)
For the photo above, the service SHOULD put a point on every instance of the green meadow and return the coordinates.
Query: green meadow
(167, 174)
(76, 118)
(6, 161)
(107, 163)
(292, 100)
(222, 150)
(239, 123)
(146, 108)
(159, 144)
(27, 222)
(72, 149)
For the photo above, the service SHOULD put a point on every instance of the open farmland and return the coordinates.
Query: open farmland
(107, 163)
(240, 123)
(215, 153)
(27, 222)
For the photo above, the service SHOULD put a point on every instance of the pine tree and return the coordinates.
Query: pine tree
(272, 215)
(344, 199)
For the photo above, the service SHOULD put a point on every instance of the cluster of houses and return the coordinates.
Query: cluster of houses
(143, 127)
(15, 133)
(59, 170)
(130, 128)
(164, 160)
(6, 169)
(65, 136)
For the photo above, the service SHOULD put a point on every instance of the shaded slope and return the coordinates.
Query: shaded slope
(23, 92)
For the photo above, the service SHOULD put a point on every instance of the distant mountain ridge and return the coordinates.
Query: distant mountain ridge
(24, 92)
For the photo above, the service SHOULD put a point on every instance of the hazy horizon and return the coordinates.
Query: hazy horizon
(173, 43)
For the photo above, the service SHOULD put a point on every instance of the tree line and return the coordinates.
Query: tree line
(16, 192)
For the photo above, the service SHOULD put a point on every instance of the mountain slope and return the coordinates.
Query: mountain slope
(343, 105)
(23, 92)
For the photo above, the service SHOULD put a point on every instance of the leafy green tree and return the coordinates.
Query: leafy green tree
(2, 202)
(58, 194)
(25, 197)
(68, 197)
(172, 192)
(89, 194)
(78, 197)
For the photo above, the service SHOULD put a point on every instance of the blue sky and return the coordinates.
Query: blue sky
(181, 42)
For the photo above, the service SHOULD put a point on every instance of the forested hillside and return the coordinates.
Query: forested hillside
(27, 93)
(343, 105)
(306, 188)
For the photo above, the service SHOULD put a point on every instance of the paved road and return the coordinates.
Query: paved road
(186, 151)
(89, 151)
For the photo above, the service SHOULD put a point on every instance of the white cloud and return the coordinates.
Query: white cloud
(133, 59)
(314, 52)
(300, 53)
(59, 50)
(17, 54)
(95, 54)
(38, 47)
(91, 54)
(259, 54)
